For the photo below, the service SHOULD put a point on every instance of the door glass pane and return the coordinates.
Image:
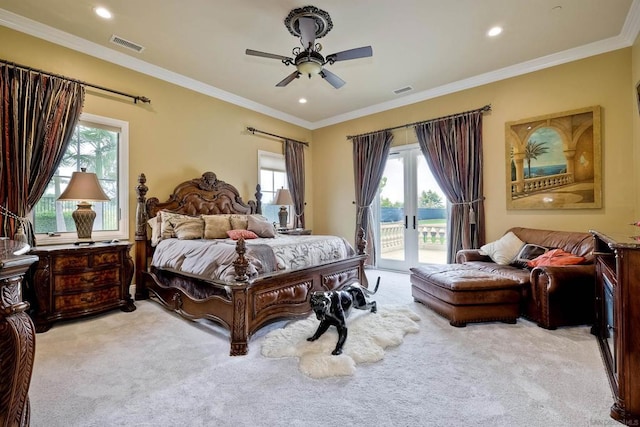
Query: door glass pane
(392, 214)
(432, 216)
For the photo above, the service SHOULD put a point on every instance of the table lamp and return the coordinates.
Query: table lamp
(283, 197)
(84, 186)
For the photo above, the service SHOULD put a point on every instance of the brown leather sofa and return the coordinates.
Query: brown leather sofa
(552, 296)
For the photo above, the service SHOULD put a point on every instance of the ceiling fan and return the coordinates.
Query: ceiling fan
(310, 23)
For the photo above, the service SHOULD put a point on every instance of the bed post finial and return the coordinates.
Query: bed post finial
(241, 264)
(258, 199)
(361, 243)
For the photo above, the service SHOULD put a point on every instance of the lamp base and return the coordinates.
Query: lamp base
(282, 216)
(83, 218)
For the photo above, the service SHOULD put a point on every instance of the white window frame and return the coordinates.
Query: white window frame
(275, 162)
(122, 233)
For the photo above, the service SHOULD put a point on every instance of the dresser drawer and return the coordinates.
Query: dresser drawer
(84, 281)
(86, 300)
(82, 261)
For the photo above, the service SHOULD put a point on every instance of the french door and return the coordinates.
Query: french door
(411, 214)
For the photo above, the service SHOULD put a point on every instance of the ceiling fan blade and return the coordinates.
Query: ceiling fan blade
(359, 52)
(291, 77)
(267, 55)
(307, 32)
(333, 80)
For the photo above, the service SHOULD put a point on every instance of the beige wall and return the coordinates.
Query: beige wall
(183, 133)
(603, 80)
(180, 135)
(635, 119)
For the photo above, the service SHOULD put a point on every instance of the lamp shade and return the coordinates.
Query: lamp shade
(283, 197)
(84, 186)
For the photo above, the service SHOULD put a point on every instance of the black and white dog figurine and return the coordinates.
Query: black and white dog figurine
(333, 308)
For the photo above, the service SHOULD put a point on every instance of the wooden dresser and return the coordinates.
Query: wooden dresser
(617, 321)
(17, 337)
(71, 281)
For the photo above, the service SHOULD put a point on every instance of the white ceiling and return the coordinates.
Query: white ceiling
(434, 46)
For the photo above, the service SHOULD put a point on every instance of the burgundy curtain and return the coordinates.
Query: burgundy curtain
(452, 147)
(370, 154)
(37, 116)
(294, 164)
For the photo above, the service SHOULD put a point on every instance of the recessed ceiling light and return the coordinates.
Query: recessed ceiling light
(302, 100)
(103, 12)
(494, 31)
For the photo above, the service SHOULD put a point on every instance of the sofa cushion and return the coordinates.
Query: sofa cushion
(504, 250)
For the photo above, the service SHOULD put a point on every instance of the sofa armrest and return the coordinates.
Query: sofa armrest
(551, 278)
(465, 255)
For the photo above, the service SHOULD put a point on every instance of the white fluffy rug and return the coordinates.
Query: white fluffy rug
(368, 335)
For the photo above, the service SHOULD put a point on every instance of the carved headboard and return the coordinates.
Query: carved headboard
(206, 195)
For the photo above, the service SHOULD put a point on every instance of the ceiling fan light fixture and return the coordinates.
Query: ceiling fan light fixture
(309, 67)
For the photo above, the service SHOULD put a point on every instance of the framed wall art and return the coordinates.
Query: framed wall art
(554, 161)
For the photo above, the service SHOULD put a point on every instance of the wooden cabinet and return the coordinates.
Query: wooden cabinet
(71, 281)
(617, 322)
(17, 337)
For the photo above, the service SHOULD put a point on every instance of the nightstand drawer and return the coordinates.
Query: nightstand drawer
(84, 281)
(86, 300)
(82, 261)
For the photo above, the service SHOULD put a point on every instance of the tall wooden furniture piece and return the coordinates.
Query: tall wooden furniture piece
(617, 323)
(17, 337)
(71, 281)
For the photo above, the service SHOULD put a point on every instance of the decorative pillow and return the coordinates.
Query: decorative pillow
(527, 253)
(504, 250)
(188, 229)
(246, 234)
(216, 226)
(166, 228)
(556, 257)
(262, 227)
(238, 222)
(156, 234)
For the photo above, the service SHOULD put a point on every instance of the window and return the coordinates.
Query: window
(273, 175)
(100, 145)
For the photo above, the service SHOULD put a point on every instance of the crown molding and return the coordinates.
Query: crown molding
(53, 35)
(626, 38)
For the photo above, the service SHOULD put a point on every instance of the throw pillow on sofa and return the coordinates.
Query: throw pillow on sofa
(504, 250)
(556, 257)
(528, 252)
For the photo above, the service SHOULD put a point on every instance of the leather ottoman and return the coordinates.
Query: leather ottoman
(464, 294)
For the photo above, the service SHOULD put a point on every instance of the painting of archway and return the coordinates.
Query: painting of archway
(554, 161)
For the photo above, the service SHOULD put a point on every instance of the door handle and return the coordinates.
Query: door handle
(414, 222)
(406, 222)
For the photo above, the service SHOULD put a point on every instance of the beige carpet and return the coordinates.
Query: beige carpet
(152, 368)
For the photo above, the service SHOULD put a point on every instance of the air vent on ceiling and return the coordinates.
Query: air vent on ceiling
(126, 43)
(402, 90)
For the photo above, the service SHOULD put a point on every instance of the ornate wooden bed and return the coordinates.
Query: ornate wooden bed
(246, 304)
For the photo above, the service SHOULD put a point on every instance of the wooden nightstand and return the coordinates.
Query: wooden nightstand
(72, 281)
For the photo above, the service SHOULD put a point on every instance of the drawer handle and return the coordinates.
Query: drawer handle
(88, 299)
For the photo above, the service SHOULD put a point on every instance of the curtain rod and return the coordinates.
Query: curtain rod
(414, 124)
(24, 67)
(254, 131)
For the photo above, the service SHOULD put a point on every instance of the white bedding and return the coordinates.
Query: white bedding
(213, 258)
